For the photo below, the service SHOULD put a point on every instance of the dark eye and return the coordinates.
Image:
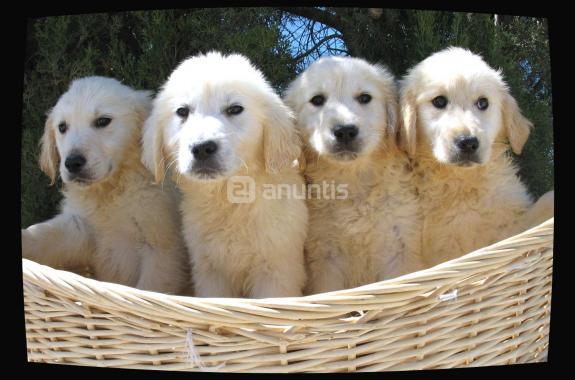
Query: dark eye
(183, 112)
(236, 109)
(102, 122)
(318, 100)
(482, 103)
(364, 98)
(439, 102)
(63, 127)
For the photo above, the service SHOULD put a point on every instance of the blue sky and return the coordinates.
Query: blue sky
(298, 34)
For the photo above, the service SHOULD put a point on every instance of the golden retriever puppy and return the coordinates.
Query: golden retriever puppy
(457, 118)
(113, 218)
(363, 209)
(230, 141)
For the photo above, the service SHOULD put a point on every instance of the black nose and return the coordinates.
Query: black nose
(74, 163)
(467, 144)
(204, 150)
(345, 133)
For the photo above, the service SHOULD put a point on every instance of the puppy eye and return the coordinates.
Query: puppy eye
(236, 109)
(364, 98)
(63, 127)
(102, 122)
(183, 112)
(318, 100)
(482, 104)
(439, 101)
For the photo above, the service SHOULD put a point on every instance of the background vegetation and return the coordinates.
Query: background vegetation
(141, 49)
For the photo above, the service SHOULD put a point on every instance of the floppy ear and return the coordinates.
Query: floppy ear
(280, 137)
(392, 108)
(408, 120)
(142, 105)
(389, 90)
(302, 162)
(153, 146)
(49, 157)
(517, 127)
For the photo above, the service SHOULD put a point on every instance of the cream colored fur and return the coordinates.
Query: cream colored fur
(372, 234)
(250, 249)
(465, 207)
(119, 223)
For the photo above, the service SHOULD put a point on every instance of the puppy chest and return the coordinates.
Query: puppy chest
(121, 230)
(239, 240)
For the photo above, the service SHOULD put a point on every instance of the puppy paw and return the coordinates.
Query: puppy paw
(544, 208)
(540, 211)
(27, 245)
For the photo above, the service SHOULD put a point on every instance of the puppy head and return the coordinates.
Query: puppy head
(345, 107)
(89, 130)
(459, 106)
(215, 115)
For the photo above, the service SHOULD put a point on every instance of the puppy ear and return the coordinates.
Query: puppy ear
(407, 122)
(49, 157)
(280, 137)
(389, 91)
(142, 105)
(392, 108)
(517, 127)
(302, 162)
(153, 146)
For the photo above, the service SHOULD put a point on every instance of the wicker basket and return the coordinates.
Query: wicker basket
(489, 307)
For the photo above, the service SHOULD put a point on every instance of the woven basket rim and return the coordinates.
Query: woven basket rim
(398, 284)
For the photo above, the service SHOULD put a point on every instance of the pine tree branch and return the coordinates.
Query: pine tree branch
(317, 45)
(326, 18)
(315, 14)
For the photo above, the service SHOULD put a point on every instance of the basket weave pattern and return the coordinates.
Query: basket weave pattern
(489, 307)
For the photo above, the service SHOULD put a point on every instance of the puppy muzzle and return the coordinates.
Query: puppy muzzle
(205, 163)
(76, 167)
(465, 151)
(346, 144)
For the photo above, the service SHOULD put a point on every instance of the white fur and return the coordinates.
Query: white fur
(466, 206)
(372, 234)
(116, 221)
(237, 249)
